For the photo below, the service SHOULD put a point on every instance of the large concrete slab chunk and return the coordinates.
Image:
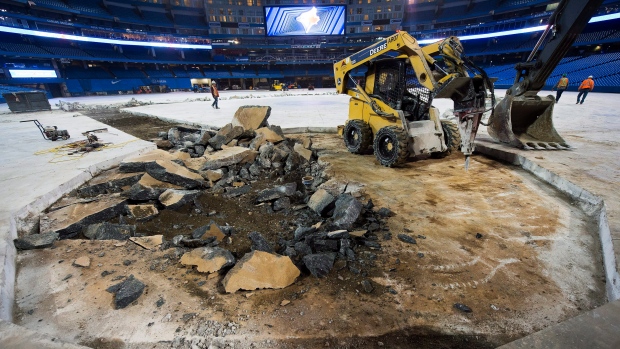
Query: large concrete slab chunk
(174, 198)
(227, 157)
(269, 135)
(207, 231)
(320, 201)
(195, 164)
(109, 231)
(208, 259)
(149, 188)
(69, 221)
(148, 242)
(138, 163)
(347, 211)
(204, 138)
(35, 241)
(269, 194)
(225, 135)
(319, 264)
(259, 269)
(168, 171)
(251, 117)
(126, 292)
(111, 181)
(303, 152)
(214, 175)
(259, 243)
(143, 212)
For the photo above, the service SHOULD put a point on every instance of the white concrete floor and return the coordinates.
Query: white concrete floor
(34, 174)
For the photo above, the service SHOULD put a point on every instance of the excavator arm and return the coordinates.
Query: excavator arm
(523, 119)
(451, 80)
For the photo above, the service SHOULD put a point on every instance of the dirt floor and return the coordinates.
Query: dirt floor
(143, 127)
(517, 253)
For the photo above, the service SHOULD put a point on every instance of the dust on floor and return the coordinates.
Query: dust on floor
(534, 262)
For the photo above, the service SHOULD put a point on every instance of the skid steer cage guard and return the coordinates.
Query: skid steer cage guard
(526, 122)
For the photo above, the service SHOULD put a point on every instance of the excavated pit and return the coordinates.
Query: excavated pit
(518, 254)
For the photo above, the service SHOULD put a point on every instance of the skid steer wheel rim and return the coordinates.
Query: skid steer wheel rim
(387, 147)
(357, 136)
(391, 146)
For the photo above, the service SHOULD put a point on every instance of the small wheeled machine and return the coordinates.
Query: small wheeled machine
(50, 132)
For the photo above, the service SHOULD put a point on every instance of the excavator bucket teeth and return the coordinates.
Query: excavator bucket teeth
(526, 122)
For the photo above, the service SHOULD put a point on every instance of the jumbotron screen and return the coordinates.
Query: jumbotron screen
(304, 20)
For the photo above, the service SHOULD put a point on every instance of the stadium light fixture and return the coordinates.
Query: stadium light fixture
(491, 35)
(519, 31)
(100, 40)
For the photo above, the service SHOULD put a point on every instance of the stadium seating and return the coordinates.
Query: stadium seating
(157, 18)
(15, 89)
(576, 68)
(75, 72)
(268, 73)
(126, 13)
(179, 72)
(592, 37)
(481, 8)
(512, 4)
(88, 7)
(53, 3)
(103, 53)
(614, 35)
(161, 73)
(195, 73)
(66, 51)
(608, 81)
(453, 12)
(197, 55)
(138, 53)
(184, 20)
(421, 17)
(129, 73)
(23, 48)
(167, 54)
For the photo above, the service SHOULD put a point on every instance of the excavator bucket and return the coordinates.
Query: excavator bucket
(526, 122)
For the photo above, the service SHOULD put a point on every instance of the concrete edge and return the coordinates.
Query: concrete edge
(594, 206)
(17, 337)
(288, 130)
(163, 118)
(8, 253)
(291, 130)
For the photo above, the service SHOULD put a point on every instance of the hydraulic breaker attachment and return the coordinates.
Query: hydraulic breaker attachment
(526, 122)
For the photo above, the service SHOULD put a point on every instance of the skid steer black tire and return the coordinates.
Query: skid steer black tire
(452, 137)
(391, 146)
(357, 136)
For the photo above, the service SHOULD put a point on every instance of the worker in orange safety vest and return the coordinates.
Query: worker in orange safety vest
(586, 86)
(561, 86)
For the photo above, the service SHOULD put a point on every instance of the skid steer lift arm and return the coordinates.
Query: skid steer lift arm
(452, 81)
(523, 119)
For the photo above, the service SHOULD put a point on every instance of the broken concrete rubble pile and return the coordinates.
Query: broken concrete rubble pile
(74, 106)
(332, 227)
